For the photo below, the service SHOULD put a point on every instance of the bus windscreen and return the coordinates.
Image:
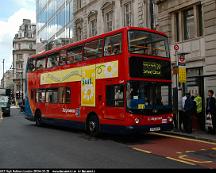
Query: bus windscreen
(147, 43)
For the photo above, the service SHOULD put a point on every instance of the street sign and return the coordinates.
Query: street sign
(176, 47)
(181, 60)
(182, 74)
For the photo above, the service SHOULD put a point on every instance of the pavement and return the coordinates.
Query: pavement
(196, 134)
(14, 107)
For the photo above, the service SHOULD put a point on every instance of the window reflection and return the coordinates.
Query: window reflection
(52, 60)
(141, 42)
(113, 45)
(52, 16)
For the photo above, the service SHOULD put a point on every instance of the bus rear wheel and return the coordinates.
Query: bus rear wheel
(38, 119)
(93, 126)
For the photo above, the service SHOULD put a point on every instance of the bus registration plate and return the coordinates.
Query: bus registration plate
(155, 129)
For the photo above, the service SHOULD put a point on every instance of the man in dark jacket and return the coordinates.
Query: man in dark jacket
(189, 108)
(211, 108)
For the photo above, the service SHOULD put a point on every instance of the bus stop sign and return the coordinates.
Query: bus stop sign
(181, 60)
(176, 47)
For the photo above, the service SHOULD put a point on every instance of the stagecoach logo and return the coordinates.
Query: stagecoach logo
(73, 111)
(68, 111)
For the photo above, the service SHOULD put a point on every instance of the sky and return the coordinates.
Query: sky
(12, 13)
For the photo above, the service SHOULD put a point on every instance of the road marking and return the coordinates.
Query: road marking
(144, 151)
(182, 161)
(184, 138)
(191, 160)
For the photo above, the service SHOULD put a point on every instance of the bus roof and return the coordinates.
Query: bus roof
(96, 37)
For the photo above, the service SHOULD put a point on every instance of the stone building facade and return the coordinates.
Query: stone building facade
(192, 25)
(7, 80)
(24, 45)
(210, 44)
(93, 17)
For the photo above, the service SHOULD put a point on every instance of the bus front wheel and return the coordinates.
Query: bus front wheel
(93, 126)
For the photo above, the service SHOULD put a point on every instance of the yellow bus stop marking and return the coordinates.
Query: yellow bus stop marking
(182, 161)
(144, 151)
(183, 157)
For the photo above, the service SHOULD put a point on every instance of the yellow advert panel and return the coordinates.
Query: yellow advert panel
(63, 76)
(88, 86)
(107, 70)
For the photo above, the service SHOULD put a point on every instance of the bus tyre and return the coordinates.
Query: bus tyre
(38, 119)
(93, 126)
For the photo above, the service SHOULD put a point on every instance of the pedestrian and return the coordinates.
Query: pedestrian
(211, 110)
(199, 112)
(184, 99)
(189, 108)
(182, 113)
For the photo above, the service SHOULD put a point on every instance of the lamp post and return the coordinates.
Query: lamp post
(21, 80)
(181, 79)
(3, 73)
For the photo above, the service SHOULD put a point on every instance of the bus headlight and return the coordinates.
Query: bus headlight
(137, 120)
(170, 119)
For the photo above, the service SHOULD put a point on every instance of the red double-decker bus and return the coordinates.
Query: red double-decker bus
(115, 82)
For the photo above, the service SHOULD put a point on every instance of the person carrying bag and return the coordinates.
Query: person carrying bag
(211, 112)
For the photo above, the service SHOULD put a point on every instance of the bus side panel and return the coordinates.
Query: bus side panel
(71, 111)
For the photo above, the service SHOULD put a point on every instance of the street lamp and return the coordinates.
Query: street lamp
(3, 73)
(21, 79)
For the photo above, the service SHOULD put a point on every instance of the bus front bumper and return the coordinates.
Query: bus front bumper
(136, 129)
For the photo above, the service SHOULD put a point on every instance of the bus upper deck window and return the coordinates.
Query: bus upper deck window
(113, 45)
(41, 63)
(74, 54)
(93, 49)
(70, 59)
(53, 61)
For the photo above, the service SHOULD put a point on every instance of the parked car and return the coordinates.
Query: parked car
(5, 105)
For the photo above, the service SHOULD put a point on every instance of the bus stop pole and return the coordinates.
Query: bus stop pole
(177, 92)
(3, 73)
(177, 98)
